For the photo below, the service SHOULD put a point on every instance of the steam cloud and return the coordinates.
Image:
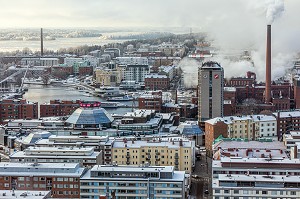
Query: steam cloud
(190, 72)
(274, 10)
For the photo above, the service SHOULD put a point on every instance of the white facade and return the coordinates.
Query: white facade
(136, 73)
(85, 156)
(94, 61)
(254, 169)
(132, 60)
(132, 182)
(169, 70)
(251, 127)
(70, 61)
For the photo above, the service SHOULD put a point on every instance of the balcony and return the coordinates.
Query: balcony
(128, 163)
(176, 163)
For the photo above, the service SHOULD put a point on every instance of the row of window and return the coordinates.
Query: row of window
(257, 192)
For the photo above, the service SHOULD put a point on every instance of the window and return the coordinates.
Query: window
(264, 192)
(236, 191)
(226, 191)
(293, 193)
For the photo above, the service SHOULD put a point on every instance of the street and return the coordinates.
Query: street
(201, 179)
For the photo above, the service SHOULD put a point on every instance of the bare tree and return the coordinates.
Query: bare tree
(249, 106)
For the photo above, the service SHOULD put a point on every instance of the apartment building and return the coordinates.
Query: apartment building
(133, 182)
(108, 77)
(251, 127)
(17, 109)
(151, 101)
(260, 169)
(85, 156)
(62, 179)
(136, 72)
(291, 139)
(59, 108)
(132, 60)
(177, 152)
(287, 121)
(157, 82)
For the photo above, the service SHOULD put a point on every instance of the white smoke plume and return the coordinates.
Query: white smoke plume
(190, 72)
(274, 10)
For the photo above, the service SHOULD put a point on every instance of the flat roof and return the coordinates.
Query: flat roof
(9, 194)
(259, 178)
(41, 169)
(132, 168)
(287, 114)
(231, 119)
(141, 143)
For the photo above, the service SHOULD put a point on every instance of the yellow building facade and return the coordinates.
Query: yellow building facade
(179, 154)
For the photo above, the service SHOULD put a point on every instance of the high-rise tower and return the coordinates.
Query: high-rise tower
(210, 88)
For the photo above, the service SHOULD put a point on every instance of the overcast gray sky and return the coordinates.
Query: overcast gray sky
(95, 13)
(240, 22)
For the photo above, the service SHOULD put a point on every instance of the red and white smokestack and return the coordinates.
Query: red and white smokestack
(268, 66)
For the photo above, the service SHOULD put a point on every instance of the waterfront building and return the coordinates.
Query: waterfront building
(136, 72)
(61, 71)
(85, 156)
(259, 169)
(17, 109)
(151, 100)
(211, 86)
(157, 82)
(133, 181)
(90, 118)
(156, 152)
(59, 108)
(62, 179)
(107, 77)
(251, 127)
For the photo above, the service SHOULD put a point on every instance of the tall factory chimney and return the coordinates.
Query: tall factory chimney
(268, 66)
(42, 43)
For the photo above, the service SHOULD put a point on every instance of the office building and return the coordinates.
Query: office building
(211, 86)
(133, 182)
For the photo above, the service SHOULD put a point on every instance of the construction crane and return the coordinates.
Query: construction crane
(22, 84)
